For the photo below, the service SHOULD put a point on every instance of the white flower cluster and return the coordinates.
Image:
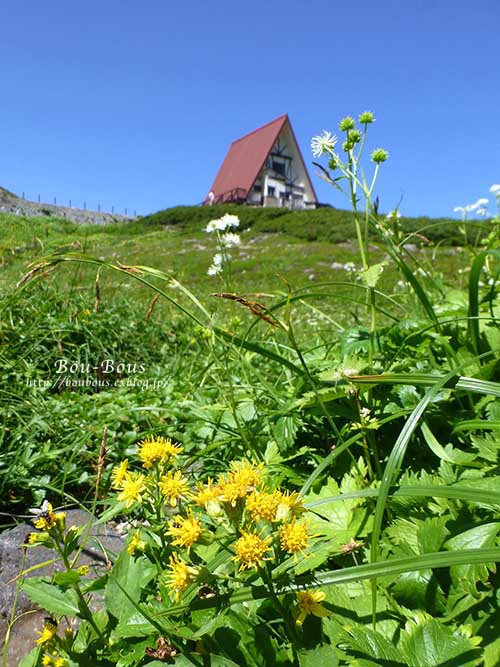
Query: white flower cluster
(227, 239)
(216, 266)
(221, 224)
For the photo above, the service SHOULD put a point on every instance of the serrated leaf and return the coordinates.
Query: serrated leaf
(372, 645)
(51, 597)
(427, 641)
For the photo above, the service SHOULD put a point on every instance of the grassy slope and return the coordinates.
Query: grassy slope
(174, 240)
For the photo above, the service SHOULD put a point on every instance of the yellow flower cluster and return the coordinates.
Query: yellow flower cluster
(157, 450)
(267, 521)
(54, 661)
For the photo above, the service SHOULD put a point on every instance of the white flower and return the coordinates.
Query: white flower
(323, 143)
(482, 211)
(216, 266)
(229, 221)
(212, 226)
(230, 240)
(221, 224)
(495, 189)
(459, 209)
(393, 214)
(350, 267)
(214, 270)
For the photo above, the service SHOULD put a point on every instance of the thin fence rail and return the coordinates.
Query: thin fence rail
(60, 203)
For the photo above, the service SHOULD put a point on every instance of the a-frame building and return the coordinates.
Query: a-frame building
(265, 168)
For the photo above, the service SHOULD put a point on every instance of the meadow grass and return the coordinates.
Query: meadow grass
(373, 395)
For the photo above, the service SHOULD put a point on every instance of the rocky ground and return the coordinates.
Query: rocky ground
(28, 619)
(11, 203)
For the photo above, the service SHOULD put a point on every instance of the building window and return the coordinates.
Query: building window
(278, 167)
(271, 190)
(257, 188)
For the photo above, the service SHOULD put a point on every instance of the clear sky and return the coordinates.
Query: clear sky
(134, 104)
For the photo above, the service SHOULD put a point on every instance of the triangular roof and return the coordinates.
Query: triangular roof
(246, 157)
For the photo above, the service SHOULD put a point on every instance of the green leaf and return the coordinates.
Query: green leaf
(51, 597)
(373, 646)
(419, 590)
(468, 575)
(31, 659)
(370, 276)
(474, 278)
(322, 656)
(66, 579)
(447, 453)
(426, 641)
(126, 583)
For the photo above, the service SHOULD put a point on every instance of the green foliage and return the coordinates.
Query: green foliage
(368, 406)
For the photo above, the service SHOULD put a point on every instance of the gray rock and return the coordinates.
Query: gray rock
(103, 540)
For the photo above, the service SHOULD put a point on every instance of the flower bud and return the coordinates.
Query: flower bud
(379, 155)
(366, 117)
(355, 136)
(346, 124)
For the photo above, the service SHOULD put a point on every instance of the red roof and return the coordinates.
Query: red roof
(244, 161)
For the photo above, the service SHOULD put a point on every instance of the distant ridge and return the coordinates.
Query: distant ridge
(6, 194)
(11, 203)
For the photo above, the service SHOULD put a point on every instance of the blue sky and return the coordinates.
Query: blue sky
(133, 105)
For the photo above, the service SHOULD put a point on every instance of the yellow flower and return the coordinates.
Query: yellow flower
(241, 480)
(244, 472)
(289, 506)
(179, 576)
(46, 660)
(136, 544)
(36, 538)
(206, 493)
(47, 634)
(118, 474)
(157, 450)
(263, 505)
(251, 550)
(310, 603)
(83, 570)
(174, 487)
(186, 530)
(60, 662)
(47, 518)
(293, 537)
(133, 486)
